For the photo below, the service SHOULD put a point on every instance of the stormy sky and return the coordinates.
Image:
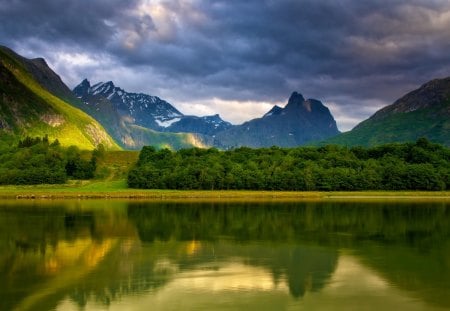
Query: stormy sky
(236, 57)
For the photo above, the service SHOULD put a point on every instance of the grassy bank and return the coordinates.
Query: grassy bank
(118, 189)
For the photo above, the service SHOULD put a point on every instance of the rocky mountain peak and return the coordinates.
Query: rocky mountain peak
(102, 88)
(276, 110)
(85, 83)
(146, 110)
(82, 89)
(299, 122)
(296, 99)
(297, 104)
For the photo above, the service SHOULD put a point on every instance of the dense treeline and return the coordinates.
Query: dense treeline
(39, 161)
(410, 166)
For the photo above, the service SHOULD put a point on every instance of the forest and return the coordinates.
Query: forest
(420, 165)
(39, 161)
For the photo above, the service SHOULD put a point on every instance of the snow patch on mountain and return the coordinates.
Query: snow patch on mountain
(147, 110)
(168, 122)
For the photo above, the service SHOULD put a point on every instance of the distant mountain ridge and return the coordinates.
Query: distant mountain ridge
(299, 122)
(147, 111)
(424, 112)
(134, 119)
(124, 113)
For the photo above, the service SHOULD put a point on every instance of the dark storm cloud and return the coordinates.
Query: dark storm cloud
(300, 40)
(54, 21)
(350, 53)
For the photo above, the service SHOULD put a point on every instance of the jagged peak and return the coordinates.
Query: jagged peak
(102, 88)
(109, 83)
(296, 101)
(85, 82)
(274, 111)
(82, 89)
(296, 98)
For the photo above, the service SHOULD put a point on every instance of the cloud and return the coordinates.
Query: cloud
(227, 109)
(349, 114)
(352, 53)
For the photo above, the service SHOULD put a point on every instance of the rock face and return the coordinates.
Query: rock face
(145, 110)
(276, 110)
(424, 112)
(208, 125)
(299, 122)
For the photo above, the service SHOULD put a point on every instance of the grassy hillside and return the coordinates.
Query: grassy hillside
(423, 112)
(143, 136)
(432, 123)
(26, 108)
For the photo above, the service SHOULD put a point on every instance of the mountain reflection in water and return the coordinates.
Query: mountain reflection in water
(91, 254)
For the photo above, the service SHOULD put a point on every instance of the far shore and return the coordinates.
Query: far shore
(119, 190)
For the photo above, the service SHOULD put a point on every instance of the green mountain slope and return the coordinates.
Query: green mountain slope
(28, 108)
(424, 112)
(141, 136)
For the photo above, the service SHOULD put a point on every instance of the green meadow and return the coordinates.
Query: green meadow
(118, 189)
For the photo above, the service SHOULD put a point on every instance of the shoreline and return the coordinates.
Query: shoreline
(118, 190)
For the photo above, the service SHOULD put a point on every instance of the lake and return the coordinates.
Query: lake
(138, 255)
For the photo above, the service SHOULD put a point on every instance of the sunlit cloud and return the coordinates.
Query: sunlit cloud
(348, 116)
(232, 111)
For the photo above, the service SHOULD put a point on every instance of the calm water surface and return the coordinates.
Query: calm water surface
(113, 255)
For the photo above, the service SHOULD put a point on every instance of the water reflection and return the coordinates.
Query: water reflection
(89, 254)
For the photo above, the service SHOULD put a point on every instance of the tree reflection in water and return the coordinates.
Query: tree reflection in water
(104, 251)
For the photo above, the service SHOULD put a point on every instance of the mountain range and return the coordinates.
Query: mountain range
(35, 101)
(147, 111)
(299, 122)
